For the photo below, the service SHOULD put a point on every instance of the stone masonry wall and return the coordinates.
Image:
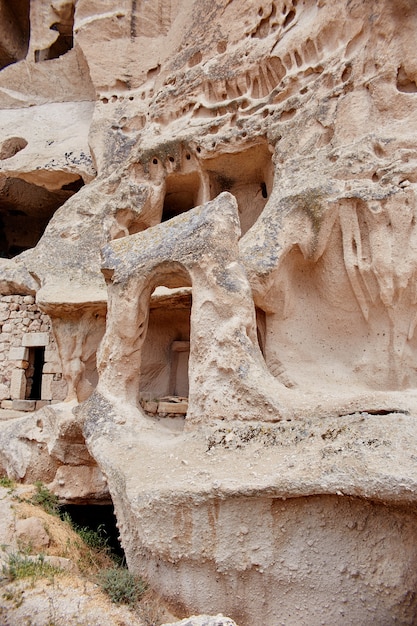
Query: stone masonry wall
(23, 328)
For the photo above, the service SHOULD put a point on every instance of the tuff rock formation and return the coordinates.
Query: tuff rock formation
(214, 207)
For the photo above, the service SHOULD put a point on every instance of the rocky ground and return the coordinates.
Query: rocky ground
(48, 575)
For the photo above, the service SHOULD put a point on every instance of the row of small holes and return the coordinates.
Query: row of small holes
(171, 158)
(114, 99)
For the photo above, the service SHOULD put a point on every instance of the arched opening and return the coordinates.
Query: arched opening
(165, 352)
(14, 31)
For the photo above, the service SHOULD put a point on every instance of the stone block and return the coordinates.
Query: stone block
(41, 403)
(35, 339)
(51, 353)
(173, 407)
(59, 388)
(4, 392)
(52, 368)
(22, 364)
(18, 354)
(47, 391)
(18, 385)
(31, 532)
(150, 407)
(34, 326)
(24, 405)
(7, 404)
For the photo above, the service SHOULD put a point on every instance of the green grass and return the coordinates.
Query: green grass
(6, 482)
(117, 582)
(46, 499)
(22, 566)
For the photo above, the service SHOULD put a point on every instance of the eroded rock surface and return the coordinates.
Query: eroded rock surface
(220, 201)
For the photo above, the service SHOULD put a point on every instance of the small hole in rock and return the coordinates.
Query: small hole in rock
(289, 18)
(346, 73)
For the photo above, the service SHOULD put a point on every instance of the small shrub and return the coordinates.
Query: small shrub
(6, 482)
(46, 499)
(22, 566)
(121, 586)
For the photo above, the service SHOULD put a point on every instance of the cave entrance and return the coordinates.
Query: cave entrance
(98, 518)
(181, 194)
(34, 371)
(25, 211)
(14, 31)
(248, 175)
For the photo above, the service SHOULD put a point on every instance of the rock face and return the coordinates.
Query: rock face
(214, 205)
(204, 620)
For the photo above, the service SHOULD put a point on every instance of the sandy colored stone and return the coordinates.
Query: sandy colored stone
(217, 201)
(4, 392)
(31, 339)
(23, 405)
(204, 620)
(18, 384)
(66, 596)
(31, 532)
(173, 407)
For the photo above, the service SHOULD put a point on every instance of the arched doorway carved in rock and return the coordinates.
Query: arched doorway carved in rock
(166, 348)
